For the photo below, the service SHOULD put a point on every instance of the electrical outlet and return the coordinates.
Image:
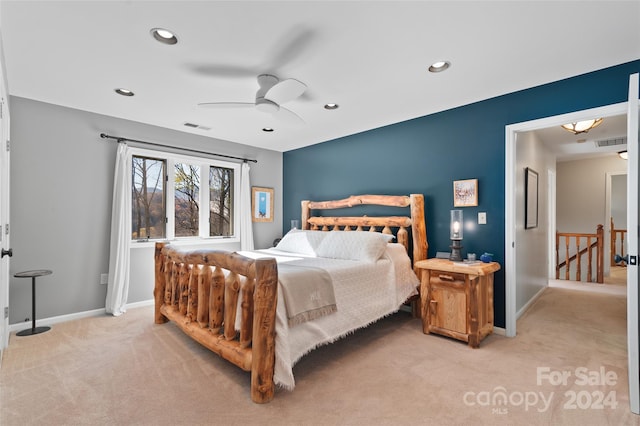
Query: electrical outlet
(104, 278)
(482, 218)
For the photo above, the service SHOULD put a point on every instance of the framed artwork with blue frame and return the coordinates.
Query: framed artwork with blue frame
(261, 204)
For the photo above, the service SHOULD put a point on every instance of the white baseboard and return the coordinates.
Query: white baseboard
(530, 302)
(499, 331)
(75, 316)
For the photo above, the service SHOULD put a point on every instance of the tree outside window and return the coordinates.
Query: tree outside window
(220, 201)
(187, 208)
(148, 205)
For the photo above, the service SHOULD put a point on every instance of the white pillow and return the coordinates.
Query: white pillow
(364, 246)
(301, 241)
(402, 264)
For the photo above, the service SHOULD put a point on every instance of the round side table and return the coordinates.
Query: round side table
(33, 274)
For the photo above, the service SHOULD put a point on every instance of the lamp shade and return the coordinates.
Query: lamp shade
(456, 225)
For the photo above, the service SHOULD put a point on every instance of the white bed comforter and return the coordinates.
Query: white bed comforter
(365, 292)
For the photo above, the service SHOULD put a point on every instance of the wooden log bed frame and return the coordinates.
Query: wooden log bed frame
(192, 289)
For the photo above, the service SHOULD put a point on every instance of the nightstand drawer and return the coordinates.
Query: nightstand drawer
(447, 279)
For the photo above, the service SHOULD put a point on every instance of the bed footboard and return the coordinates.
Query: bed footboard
(192, 290)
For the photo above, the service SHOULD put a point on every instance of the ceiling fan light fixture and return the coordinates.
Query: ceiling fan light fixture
(331, 106)
(439, 66)
(623, 154)
(164, 36)
(124, 92)
(582, 126)
(267, 129)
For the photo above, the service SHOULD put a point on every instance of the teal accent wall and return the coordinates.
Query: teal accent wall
(425, 155)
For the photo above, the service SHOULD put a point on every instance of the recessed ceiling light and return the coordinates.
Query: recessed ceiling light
(124, 92)
(164, 36)
(267, 129)
(331, 106)
(439, 66)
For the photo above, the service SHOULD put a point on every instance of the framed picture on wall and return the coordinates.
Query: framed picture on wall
(261, 204)
(465, 193)
(530, 198)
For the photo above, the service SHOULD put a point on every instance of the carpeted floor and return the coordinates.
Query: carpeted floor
(568, 365)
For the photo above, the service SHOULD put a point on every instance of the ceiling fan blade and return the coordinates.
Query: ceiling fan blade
(292, 47)
(288, 116)
(226, 105)
(285, 91)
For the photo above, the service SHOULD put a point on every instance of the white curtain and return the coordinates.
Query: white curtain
(246, 227)
(118, 285)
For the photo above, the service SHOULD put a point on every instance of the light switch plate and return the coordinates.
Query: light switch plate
(482, 218)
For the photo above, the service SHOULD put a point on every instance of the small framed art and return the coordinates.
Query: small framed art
(261, 204)
(465, 193)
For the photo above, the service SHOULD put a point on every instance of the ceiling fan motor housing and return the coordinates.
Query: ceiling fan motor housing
(265, 105)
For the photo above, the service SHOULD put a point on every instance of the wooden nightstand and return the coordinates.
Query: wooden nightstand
(457, 300)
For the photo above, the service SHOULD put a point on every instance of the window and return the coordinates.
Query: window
(187, 197)
(148, 204)
(169, 197)
(221, 184)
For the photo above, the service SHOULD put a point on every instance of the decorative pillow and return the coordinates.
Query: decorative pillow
(301, 241)
(354, 245)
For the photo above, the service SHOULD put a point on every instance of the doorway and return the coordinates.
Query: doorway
(517, 269)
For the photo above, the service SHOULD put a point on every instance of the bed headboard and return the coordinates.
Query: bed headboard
(385, 224)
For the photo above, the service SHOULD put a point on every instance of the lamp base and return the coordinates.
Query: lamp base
(455, 247)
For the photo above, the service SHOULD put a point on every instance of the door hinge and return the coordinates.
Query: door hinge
(6, 312)
(8, 145)
(6, 229)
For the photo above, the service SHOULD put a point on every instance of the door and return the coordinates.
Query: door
(4, 217)
(632, 232)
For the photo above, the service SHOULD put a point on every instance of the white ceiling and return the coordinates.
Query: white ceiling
(370, 57)
(608, 138)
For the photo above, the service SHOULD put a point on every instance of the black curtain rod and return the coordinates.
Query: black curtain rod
(119, 139)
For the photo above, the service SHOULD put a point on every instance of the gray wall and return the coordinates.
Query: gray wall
(581, 198)
(581, 192)
(532, 253)
(61, 191)
(619, 201)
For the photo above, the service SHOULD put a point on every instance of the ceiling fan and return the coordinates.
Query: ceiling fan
(272, 93)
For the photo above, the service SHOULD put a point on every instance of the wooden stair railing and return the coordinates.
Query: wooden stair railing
(593, 241)
(615, 233)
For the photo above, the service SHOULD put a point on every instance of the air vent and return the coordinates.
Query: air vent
(611, 142)
(197, 126)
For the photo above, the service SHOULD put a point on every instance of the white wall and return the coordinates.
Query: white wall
(61, 191)
(531, 244)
